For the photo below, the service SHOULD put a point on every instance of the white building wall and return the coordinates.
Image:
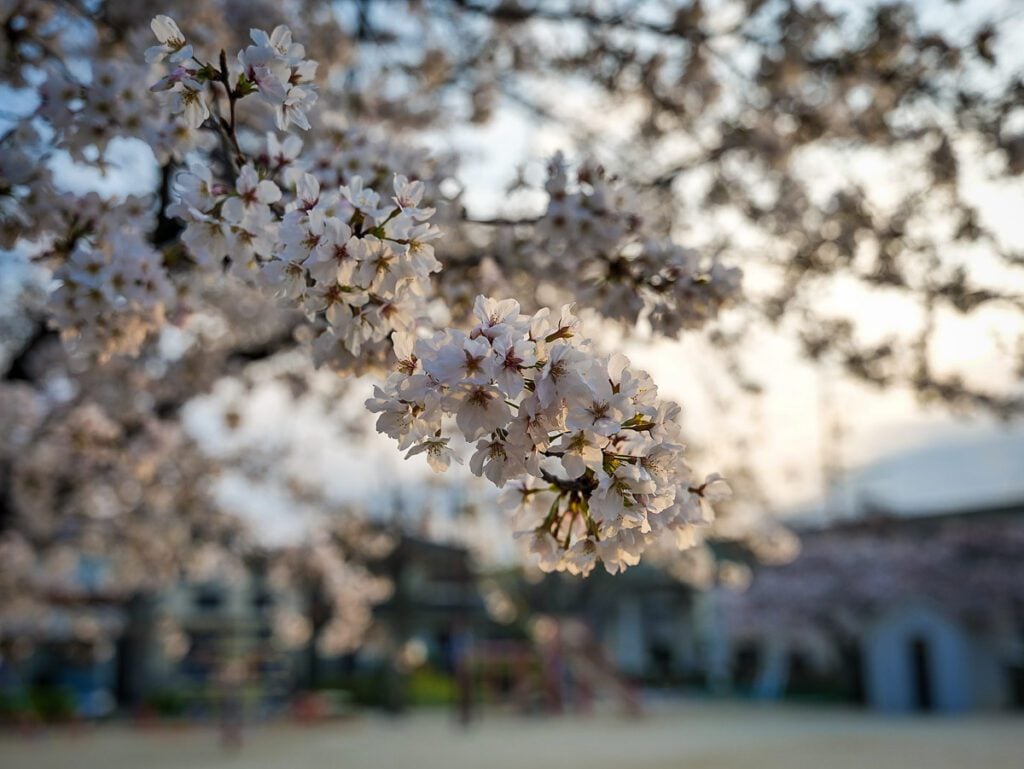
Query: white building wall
(630, 642)
(773, 670)
(685, 658)
(715, 640)
(991, 684)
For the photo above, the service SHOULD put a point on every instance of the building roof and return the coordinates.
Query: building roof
(877, 517)
(967, 469)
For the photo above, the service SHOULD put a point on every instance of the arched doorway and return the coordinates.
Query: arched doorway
(917, 659)
(920, 669)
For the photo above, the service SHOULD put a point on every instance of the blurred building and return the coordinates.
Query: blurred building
(651, 626)
(433, 595)
(166, 652)
(434, 611)
(907, 612)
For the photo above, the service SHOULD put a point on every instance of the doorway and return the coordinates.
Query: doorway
(921, 688)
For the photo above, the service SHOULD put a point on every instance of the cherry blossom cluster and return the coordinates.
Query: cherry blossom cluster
(592, 230)
(357, 265)
(349, 589)
(273, 67)
(361, 265)
(100, 500)
(86, 113)
(239, 219)
(343, 152)
(107, 500)
(26, 189)
(87, 116)
(114, 289)
(592, 455)
(112, 295)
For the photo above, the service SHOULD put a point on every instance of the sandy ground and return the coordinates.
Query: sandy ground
(678, 736)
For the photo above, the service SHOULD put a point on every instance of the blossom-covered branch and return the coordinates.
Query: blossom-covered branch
(294, 220)
(592, 456)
